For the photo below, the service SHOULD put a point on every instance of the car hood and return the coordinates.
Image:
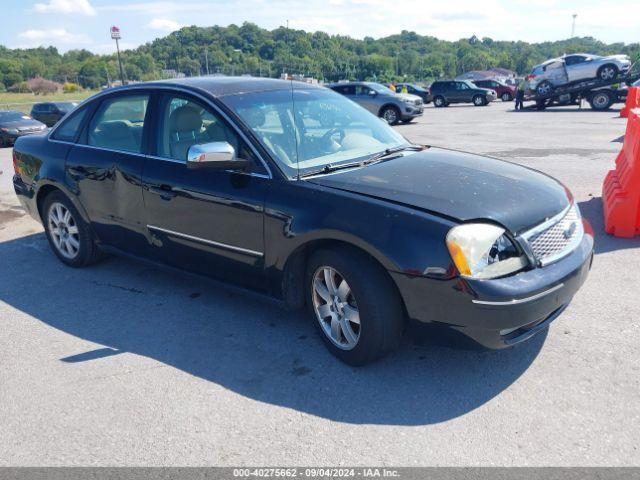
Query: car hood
(409, 96)
(22, 123)
(458, 185)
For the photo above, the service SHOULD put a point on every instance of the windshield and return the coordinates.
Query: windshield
(13, 116)
(66, 106)
(324, 128)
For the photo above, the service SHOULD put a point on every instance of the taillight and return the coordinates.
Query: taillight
(16, 168)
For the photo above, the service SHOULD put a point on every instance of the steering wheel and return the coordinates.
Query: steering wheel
(331, 132)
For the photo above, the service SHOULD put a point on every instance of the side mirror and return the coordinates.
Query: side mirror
(216, 155)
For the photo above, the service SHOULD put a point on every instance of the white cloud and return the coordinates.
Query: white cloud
(164, 24)
(82, 7)
(34, 38)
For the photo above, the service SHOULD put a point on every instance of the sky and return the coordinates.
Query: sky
(70, 24)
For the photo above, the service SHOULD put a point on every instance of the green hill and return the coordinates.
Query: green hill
(249, 49)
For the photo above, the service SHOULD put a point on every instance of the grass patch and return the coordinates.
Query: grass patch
(24, 101)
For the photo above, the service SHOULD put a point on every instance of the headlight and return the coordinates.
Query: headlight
(408, 100)
(482, 250)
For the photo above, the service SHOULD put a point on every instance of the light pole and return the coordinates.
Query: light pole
(573, 25)
(115, 35)
(397, 63)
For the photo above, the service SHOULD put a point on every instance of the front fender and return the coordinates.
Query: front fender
(400, 238)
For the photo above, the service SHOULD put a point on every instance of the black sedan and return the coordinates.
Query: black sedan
(292, 191)
(14, 124)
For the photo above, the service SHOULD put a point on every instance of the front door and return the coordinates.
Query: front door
(205, 220)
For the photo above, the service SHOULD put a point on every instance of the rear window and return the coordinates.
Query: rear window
(69, 130)
(118, 123)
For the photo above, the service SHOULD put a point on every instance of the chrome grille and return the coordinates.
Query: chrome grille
(557, 237)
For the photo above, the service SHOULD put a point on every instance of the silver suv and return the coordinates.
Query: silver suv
(381, 101)
(579, 66)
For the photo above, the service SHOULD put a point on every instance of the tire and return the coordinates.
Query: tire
(506, 97)
(371, 298)
(75, 245)
(544, 88)
(391, 115)
(601, 101)
(607, 72)
(479, 100)
(439, 102)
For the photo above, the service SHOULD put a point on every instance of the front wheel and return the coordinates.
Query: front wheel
(479, 101)
(601, 101)
(69, 235)
(607, 72)
(391, 115)
(506, 97)
(354, 305)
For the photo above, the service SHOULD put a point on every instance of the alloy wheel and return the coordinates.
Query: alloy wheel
(478, 101)
(390, 116)
(607, 73)
(336, 308)
(64, 231)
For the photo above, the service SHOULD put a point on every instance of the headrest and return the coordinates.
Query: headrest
(115, 130)
(185, 119)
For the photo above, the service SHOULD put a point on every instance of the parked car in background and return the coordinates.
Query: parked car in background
(14, 124)
(50, 113)
(572, 68)
(444, 92)
(302, 195)
(414, 89)
(381, 101)
(505, 92)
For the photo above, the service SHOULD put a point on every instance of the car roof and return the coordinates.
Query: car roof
(221, 86)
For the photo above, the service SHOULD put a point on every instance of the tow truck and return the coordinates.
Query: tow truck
(600, 94)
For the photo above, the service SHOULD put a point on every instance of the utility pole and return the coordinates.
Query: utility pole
(573, 25)
(397, 63)
(206, 60)
(115, 35)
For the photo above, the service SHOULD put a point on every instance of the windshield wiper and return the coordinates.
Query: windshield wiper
(328, 168)
(392, 151)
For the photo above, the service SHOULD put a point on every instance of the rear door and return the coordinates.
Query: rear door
(579, 67)
(105, 167)
(204, 220)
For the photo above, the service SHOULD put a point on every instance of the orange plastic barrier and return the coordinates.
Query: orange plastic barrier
(621, 188)
(633, 101)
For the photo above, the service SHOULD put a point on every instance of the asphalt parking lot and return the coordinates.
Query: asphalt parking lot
(123, 364)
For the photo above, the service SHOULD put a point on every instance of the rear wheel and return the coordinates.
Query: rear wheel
(607, 72)
(354, 305)
(479, 100)
(439, 101)
(544, 88)
(69, 235)
(506, 97)
(391, 115)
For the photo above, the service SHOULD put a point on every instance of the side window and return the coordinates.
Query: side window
(184, 122)
(68, 131)
(362, 90)
(118, 123)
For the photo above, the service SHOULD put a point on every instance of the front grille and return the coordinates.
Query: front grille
(556, 238)
(418, 102)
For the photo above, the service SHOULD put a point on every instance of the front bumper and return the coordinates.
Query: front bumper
(412, 111)
(500, 312)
